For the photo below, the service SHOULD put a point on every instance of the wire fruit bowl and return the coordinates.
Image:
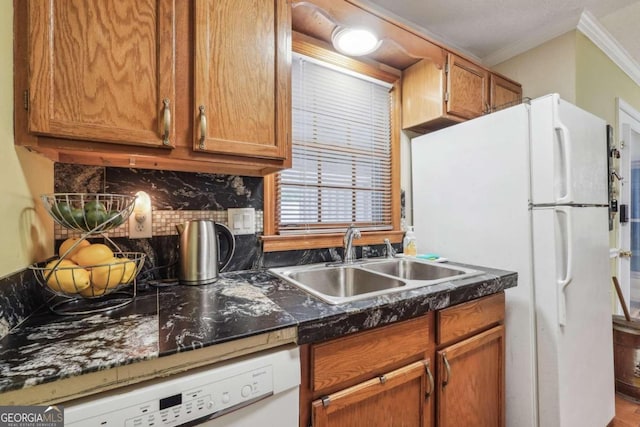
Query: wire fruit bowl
(65, 278)
(111, 284)
(85, 212)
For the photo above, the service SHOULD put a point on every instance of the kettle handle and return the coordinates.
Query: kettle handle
(223, 230)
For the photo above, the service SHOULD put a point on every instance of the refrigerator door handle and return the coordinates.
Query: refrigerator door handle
(568, 273)
(564, 141)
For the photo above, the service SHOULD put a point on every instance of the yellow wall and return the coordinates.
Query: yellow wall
(548, 68)
(25, 231)
(578, 70)
(599, 81)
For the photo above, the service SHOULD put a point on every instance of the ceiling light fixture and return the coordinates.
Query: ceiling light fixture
(354, 41)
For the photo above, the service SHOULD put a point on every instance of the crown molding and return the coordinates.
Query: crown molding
(595, 31)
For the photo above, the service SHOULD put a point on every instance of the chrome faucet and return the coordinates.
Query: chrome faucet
(390, 252)
(349, 251)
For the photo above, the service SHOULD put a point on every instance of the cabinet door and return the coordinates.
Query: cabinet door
(467, 85)
(504, 93)
(399, 398)
(423, 84)
(242, 88)
(101, 70)
(470, 384)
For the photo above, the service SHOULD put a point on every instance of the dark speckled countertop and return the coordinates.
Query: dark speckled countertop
(160, 322)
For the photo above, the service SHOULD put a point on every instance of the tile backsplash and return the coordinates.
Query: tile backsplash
(176, 197)
(163, 223)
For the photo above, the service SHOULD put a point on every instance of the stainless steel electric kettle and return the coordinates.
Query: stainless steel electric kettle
(199, 251)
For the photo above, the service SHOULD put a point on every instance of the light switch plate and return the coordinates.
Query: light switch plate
(242, 220)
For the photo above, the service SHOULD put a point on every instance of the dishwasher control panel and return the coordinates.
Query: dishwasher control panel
(176, 401)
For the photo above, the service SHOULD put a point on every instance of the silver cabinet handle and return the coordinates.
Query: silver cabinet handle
(203, 127)
(430, 378)
(166, 121)
(446, 380)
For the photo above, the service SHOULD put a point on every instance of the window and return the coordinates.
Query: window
(344, 157)
(341, 147)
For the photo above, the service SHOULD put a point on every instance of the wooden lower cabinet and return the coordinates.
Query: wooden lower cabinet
(379, 377)
(470, 387)
(398, 398)
(386, 376)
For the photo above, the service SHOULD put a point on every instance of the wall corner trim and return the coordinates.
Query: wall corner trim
(595, 31)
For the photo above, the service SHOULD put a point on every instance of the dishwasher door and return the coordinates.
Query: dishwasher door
(278, 410)
(258, 389)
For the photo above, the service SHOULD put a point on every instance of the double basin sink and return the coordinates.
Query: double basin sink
(341, 283)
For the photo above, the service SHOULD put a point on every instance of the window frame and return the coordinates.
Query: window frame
(272, 241)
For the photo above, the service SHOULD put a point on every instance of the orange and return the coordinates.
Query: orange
(95, 254)
(66, 245)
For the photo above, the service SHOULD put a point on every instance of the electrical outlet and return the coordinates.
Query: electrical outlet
(140, 226)
(140, 218)
(242, 220)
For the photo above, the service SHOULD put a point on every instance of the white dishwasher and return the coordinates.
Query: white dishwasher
(261, 389)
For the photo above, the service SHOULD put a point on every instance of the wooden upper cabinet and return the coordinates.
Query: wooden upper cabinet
(423, 91)
(503, 92)
(242, 56)
(102, 70)
(117, 83)
(467, 84)
(435, 96)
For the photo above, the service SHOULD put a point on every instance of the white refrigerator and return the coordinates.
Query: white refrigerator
(525, 189)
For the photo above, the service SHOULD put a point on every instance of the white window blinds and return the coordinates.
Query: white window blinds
(341, 167)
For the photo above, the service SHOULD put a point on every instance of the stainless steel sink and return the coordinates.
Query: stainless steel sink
(337, 284)
(414, 270)
(344, 281)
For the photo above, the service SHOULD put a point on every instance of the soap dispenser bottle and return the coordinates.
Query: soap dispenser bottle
(409, 244)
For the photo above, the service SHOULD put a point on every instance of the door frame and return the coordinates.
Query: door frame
(626, 116)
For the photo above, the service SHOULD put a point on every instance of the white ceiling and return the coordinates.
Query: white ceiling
(491, 31)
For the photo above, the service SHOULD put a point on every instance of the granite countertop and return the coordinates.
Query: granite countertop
(170, 320)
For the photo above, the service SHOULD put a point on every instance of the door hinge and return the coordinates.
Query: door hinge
(26, 99)
(446, 97)
(446, 68)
